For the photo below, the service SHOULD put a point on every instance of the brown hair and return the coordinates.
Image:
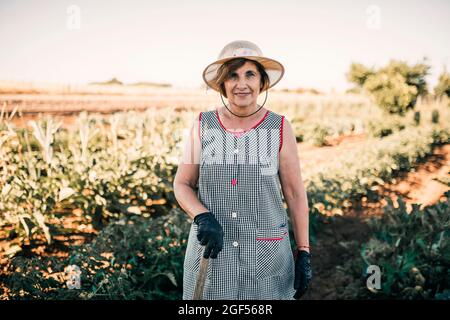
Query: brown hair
(226, 69)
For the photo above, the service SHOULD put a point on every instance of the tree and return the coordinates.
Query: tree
(443, 85)
(359, 73)
(414, 75)
(391, 92)
(395, 87)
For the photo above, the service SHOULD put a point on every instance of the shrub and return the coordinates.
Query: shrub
(443, 86)
(395, 87)
(417, 118)
(135, 258)
(412, 250)
(435, 116)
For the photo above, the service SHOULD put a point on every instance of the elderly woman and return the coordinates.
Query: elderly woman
(239, 155)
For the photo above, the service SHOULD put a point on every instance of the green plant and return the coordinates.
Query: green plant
(395, 87)
(435, 116)
(443, 86)
(417, 118)
(134, 258)
(358, 173)
(412, 249)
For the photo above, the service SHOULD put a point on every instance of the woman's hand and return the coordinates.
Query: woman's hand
(209, 233)
(303, 273)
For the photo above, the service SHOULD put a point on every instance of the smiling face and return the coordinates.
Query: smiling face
(243, 85)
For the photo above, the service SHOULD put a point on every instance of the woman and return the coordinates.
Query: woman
(239, 155)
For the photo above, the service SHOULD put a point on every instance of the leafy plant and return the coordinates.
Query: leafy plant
(134, 258)
(395, 87)
(443, 86)
(412, 249)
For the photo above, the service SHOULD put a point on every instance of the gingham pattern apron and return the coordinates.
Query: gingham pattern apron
(239, 183)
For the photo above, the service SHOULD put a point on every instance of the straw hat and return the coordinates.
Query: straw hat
(248, 50)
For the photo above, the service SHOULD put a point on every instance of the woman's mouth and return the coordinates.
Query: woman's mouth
(242, 94)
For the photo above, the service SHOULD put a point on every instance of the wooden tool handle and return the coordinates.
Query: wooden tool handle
(201, 277)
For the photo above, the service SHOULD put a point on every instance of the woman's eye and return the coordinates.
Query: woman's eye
(235, 76)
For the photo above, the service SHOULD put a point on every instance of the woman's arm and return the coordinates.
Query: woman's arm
(293, 189)
(186, 178)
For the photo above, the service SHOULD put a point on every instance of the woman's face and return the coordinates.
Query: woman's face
(243, 86)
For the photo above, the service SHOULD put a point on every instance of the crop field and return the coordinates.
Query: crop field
(86, 177)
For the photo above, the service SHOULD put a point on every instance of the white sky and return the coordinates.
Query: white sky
(172, 41)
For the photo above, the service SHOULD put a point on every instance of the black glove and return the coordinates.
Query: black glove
(303, 273)
(209, 233)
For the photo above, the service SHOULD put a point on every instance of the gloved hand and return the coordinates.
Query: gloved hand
(209, 233)
(303, 273)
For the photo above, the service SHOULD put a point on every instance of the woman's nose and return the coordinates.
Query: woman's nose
(242, 83)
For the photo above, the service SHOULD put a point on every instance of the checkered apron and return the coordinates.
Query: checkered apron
(239, 184)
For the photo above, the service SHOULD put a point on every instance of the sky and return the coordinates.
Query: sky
(77, 42)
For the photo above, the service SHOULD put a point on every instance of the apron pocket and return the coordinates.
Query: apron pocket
(273, 250)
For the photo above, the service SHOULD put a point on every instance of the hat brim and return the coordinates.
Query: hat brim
(274, 69)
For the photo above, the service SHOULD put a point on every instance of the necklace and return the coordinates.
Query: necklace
(246, 115)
